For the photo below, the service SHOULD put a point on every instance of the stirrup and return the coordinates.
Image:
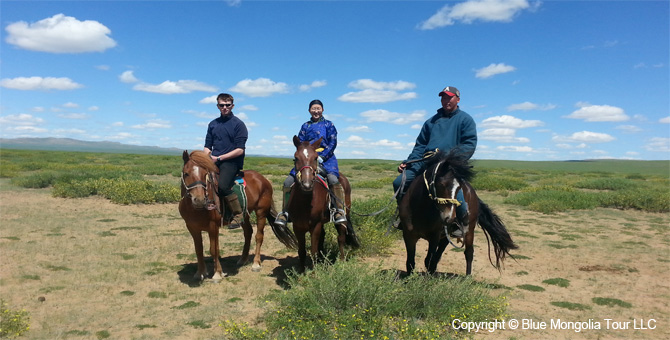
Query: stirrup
(235, 222)
(342, 217)
(282, 219)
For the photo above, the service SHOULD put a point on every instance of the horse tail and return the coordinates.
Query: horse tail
(284, 233)
(351, 239)
(494, 227)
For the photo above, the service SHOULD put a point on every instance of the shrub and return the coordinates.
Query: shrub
(13, 323)
(491, 182)
(352, 300)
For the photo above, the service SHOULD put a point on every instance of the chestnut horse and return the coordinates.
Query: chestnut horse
(429, 208)
(308, 206)
(199, 179)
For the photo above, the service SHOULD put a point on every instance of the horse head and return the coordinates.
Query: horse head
(443, 179)
(305, 162)
(196, 178)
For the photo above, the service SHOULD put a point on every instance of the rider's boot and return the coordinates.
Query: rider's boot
(462, 216)
(282, 217)
(340, 214)
(235, 209)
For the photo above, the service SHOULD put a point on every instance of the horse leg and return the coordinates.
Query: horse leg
(431, 257)
(302, 251)
(201, 273)
(469, 249)
(410, 246)
(442, 245)
(341, 238)
(260, 234)
(318, 239)
(248, 232)
(214, 250)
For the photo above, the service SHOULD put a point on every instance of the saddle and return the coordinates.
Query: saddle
(239, 185)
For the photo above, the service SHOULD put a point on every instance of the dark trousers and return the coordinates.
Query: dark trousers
(227, 173)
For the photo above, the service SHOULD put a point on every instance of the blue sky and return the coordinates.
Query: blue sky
(550, 80)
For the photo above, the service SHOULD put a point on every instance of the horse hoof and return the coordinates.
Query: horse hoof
(256, 268)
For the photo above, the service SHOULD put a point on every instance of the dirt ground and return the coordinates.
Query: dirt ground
(87, 268)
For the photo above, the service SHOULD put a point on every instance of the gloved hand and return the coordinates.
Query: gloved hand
(319, 159)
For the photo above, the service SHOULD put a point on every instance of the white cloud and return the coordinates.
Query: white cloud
(378, 92)
(39, 83)
(60, 34)
(103, 67)
(502, 135)
(506, 121)
(586, 137)
(93, 108)
(476, 10)
(128, 77)
(22, 119)
(359, 128)
(393, 117)
(658, 144)
(314, 84)
(515, 148)
(247, 107)
(364, 84)
(209, 100)
(71, 105)
(664, 120)
(171, 87)
(528, 106)
(153, 124)
(261, 87)
(599, 113)
(629, 128)
(73, 115)
(493, 69)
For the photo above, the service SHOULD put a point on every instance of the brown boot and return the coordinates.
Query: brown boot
(235, 209)
(340, 214)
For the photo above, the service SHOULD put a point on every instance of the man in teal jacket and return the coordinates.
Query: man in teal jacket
(449, 129)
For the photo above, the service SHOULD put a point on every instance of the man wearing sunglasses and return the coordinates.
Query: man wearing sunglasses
(226, 141)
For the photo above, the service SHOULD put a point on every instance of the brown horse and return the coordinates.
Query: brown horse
(308, 205)
(429, 208)
(199, 179)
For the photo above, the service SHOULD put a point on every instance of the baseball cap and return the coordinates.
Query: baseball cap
(450, 91)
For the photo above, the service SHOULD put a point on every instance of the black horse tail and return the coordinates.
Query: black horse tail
(284, 234)
(351, 239)
(494, 227)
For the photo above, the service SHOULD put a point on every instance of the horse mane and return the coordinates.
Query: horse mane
(203, 160)
(455, 161)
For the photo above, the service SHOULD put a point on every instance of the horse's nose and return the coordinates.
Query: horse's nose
(307, 185)
(199, 202)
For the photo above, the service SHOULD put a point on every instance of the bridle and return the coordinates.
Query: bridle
(432, 192)
(298, 173)
(197, 184)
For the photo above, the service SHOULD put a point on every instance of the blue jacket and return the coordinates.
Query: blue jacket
(311, 131)
(446, 132)
(225, 134)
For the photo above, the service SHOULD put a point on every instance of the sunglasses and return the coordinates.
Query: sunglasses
(224, 105)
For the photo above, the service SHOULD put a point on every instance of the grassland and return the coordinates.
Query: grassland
(96, 249)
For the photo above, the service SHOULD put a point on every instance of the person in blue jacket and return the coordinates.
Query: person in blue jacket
(449, 129)
(315, 128)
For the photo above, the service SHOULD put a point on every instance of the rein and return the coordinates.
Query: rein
(197, 184)
(432, 193)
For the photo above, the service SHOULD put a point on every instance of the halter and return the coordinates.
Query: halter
(298, 174)
(432, 192)
(197, 184)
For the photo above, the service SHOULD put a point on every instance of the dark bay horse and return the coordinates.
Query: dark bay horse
(199, 179)
(430, 204)
(308, 206)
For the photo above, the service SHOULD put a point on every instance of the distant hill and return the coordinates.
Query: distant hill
(69, 144)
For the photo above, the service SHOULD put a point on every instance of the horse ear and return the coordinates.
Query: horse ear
(185, 156)
(296, 141)
(317, 143)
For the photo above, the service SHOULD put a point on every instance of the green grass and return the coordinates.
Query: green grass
(611, 302)
(570, 305)
(558, 282)
(532, 288)
(345, 301)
